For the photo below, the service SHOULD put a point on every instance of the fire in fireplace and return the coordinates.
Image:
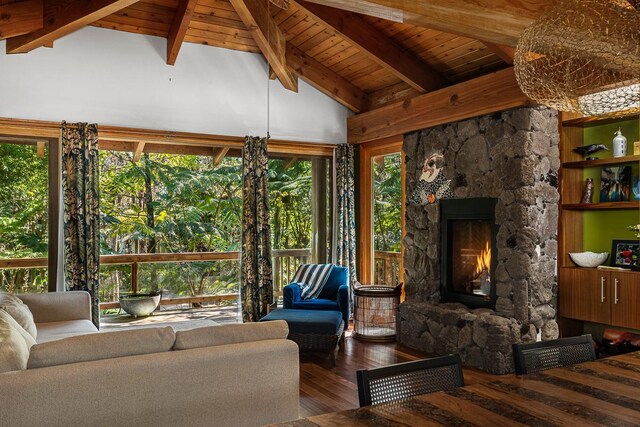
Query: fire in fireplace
(467, 240)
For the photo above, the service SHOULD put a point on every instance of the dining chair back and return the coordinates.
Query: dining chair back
(405, 380)
(538, 356)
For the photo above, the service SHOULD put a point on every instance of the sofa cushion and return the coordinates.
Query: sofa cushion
(15, 343)
(230, 334)
(104, 345)
(339, 276)
(19, 311)
(49, 331)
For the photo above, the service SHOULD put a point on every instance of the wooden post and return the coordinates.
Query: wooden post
(134, 277)
(319, 210)
(53, 215)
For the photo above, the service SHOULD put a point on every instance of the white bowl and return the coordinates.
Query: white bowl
(589, 259)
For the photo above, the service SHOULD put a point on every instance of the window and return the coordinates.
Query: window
(174, 223)
(24, 215)
(300, 208)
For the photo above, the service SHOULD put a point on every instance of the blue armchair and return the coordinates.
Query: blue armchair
(333, 297)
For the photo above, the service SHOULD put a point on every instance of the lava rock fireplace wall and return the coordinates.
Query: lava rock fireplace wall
(512, 156)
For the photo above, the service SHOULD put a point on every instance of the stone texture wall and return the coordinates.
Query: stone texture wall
(512, 156)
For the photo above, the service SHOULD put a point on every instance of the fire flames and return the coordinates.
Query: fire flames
(483, 261)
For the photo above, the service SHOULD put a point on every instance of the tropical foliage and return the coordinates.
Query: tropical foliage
(387, 181)
(23, 215)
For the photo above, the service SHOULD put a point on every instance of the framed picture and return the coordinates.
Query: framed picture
(625, 253)
(615, 184)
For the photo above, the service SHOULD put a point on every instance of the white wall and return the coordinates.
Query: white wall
(115, 78)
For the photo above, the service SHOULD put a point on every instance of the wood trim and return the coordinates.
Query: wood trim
(365, 188)
(62, 17)
(152, 138)
(179, 27)
(218, 155)
(21, 18)
(325, 80)
(378, 46)
(494, 92)
(54, 211)
(137, 152)
(256, 16)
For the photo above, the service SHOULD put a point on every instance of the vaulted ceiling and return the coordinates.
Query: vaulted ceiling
(363, 53)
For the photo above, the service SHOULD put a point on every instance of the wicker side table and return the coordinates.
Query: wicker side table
(374, 312)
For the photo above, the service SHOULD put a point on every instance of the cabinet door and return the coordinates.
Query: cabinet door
(625, 300)
(584, 294)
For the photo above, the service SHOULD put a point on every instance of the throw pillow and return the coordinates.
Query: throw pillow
(314, 277)
(19, 311)
(103, 345)
(15, 343)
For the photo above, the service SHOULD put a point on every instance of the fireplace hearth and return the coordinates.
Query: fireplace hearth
(468, 239)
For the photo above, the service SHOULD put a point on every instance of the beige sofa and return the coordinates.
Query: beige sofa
(233, 375)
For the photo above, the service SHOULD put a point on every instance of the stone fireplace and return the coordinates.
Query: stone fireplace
(513, 159)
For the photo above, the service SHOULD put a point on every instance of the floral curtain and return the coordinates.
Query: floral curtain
(345, 233)
(256, 276)
(81, 219)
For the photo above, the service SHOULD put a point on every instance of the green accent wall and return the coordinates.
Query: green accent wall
(601, 227)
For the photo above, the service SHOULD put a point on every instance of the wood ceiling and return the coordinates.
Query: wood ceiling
(362, 60)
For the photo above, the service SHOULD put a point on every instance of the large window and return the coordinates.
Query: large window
(300, 208)
(24, 216)
(178, 217)
(381, 212)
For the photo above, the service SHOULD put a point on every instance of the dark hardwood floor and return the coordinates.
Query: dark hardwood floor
(329, 389)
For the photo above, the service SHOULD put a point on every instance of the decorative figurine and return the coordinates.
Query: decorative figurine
(619, 144)
(587, 194)
(585, 150)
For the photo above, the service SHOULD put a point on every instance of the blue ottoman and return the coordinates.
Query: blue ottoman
(312, 330)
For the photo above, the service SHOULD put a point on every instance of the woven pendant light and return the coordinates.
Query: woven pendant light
(583, 56)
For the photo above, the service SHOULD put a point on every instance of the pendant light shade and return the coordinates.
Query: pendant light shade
(583, 56)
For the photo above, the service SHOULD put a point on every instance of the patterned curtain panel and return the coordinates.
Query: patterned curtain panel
(80, 179)
(345, 211)
(256, 276)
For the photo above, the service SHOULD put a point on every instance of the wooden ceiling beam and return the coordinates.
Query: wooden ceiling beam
(268, 37)
(325, 80)
(62, 17)
(495, 21)
(506, 53)
(494, 92)
(20, 18)
(179, 27)
(378, 46)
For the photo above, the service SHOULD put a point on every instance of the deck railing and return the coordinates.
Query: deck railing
(135, 273)
(130, 269)
(386, 268)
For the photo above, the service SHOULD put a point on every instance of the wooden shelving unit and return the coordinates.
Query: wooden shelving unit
(588, 294)
(600, 206)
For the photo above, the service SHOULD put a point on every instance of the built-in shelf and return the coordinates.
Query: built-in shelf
(601, 162)
(601, 206)
(583, 122)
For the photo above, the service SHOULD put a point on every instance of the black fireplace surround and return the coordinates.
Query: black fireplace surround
(468, 240)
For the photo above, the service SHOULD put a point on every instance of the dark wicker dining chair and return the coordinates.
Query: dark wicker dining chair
(538, 356)
(405, 380)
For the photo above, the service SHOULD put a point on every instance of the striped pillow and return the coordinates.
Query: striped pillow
(313, 277)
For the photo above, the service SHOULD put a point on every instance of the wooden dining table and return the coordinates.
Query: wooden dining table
(605, 392)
